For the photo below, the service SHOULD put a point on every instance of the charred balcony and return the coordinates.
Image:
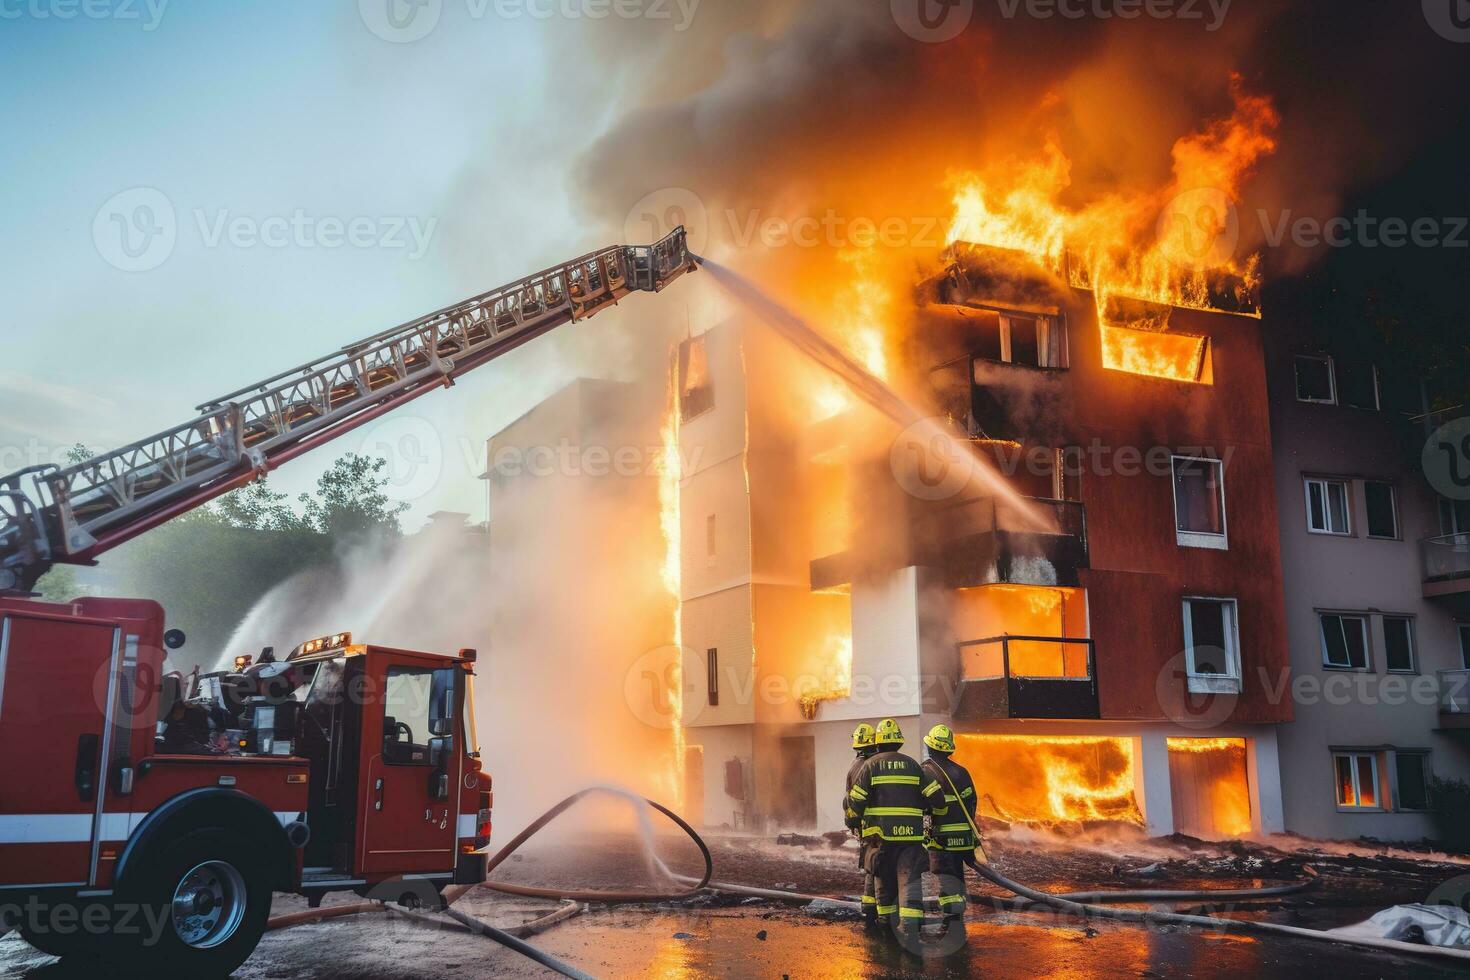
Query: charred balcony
(982, 541)
(1027, 677)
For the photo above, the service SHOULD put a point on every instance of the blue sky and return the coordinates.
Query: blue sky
(267, 114)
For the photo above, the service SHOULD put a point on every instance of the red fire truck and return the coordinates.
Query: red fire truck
(148, 816)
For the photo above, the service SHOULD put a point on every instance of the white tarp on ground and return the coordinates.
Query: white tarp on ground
(1437, 925)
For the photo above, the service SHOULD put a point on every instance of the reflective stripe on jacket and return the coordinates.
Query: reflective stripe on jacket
(890, 796)
(948, 828)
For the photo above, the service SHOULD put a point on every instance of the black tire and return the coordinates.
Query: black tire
(219, 935)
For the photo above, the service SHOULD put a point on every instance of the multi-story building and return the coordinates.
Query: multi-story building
(1103, 635)
(1377, 570)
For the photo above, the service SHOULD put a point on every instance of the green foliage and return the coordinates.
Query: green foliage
(1450, 800)
(349, 499)
(59, 584)
(78, 453)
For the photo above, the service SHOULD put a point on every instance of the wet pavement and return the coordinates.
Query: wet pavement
(733, 937)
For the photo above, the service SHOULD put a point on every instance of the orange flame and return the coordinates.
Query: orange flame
(1053, 780)
(671, 574)
(835, 680)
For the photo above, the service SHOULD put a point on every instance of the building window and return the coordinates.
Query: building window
(712, 675)
(1316, 381)
(1412, 780)
(1357, 780)
(1212, 645)
(1398, 644)
(696, 393)
(1035, 341)
(1344, 641)
(1381, 500)
(1454, 516)
(1199, 502)
(1357, 384)
(1327, 506)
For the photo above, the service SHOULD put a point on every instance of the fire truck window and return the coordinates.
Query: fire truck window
(407, 699)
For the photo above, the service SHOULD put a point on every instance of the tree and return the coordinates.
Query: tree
(350, 502)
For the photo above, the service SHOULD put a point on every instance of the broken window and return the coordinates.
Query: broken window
(1199, 501)
(1357, 780)
(1344, 641)
(1357, 384)
(1315, 379)
(696, 393)
(1212, 645)
(1413, 780)
(1327, 506)
(1030, 339)
(1398, 644)
(1383, 516)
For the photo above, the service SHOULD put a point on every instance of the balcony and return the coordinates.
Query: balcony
(1446, 561)
(987, 542)
(1454, 700)
(1027, 677)
(984, 541)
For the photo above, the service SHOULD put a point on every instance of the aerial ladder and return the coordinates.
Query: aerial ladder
(343, 766)
(70, 515)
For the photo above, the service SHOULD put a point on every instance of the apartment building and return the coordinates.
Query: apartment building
(1104, 643)
(1377, 572)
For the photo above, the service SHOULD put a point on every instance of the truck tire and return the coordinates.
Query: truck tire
(73, 944)
(209, 900)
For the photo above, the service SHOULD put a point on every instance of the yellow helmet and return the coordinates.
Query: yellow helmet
(940, 738)
(862, 736)
(888, 733)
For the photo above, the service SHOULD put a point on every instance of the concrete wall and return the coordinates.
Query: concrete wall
(1369, 709)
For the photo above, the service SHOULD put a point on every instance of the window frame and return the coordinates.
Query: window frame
(1353, 755)
(1367, 633)
(1393, 503)
(1198, 683)
(415, 670)
(1411, 632)
(1423, 755)
(712, 676)
(1347, 504)
(1200, 539)
(1049, 328)
(689, 399)
(1332, 398)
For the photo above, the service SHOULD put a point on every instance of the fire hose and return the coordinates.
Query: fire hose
(505, 938)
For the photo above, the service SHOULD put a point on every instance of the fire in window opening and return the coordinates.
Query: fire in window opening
(1357, 780)
(696, 392)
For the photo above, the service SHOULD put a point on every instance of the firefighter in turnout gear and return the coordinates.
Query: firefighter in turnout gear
(890, 797)
(952, 841)
(864, 746)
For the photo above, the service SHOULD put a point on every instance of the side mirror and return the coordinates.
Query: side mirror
(173, 639)
(441, 727)
(441, 750)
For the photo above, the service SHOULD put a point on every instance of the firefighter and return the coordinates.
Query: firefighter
(951, 840)
(890, 798)
(862, 744)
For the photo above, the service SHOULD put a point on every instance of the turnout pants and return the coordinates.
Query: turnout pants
(949, 868)
(898, 870)
(870, 896)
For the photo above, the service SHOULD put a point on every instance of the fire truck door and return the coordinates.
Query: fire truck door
(57, 675)
(413, 779)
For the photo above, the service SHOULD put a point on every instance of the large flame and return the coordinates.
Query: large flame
(1052, 780)
(860, 325)
(1163, 246)
(833, 679)
(670, 471)
(1222, 793)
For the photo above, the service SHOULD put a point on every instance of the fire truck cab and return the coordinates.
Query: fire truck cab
(148, 816)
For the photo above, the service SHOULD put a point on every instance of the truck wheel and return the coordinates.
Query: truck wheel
(213, 900)
(72, 944)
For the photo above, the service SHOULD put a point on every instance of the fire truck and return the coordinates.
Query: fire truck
(146, 816)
